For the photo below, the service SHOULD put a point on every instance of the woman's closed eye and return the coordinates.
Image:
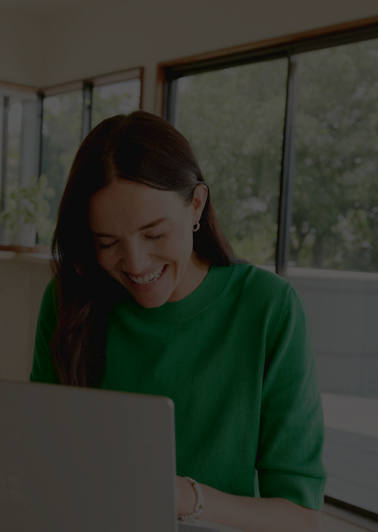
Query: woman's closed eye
(102, 245)
(154, 237)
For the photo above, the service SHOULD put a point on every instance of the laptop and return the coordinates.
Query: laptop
(88, 460)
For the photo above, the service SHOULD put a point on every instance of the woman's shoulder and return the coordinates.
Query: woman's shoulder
(261, 290)
(259, 279)
(49, 296)
(51, 287)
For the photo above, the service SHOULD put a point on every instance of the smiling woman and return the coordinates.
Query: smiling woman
(154, 268)
(130, 172)
(148, 297)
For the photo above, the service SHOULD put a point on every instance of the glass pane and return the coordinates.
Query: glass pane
(60, 139)
(116, 98)
(233, 119)
(13, 171)
(334, 254)
(12, 164)
(335, 209)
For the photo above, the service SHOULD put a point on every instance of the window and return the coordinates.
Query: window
(287, 138)
(40, 131)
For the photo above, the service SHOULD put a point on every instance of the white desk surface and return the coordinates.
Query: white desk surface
(194, 525)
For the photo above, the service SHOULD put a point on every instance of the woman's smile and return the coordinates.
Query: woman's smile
(147, 277)
(147, 282)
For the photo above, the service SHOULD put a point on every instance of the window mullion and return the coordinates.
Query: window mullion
(287, 170)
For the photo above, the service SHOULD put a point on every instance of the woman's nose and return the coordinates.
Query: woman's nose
(134, 258)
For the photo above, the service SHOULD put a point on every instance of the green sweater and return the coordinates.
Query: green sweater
(234, 357)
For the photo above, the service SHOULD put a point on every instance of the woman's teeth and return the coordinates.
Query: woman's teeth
(147, 278)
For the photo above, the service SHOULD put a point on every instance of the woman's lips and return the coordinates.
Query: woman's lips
(155, 272)
(146, 286)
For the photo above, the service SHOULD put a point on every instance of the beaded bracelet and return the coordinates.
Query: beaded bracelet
(198, 508)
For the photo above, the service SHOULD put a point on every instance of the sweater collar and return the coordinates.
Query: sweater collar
(206, 293)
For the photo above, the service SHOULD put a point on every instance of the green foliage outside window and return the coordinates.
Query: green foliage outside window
(62, 121)
(28, 205)
(234, 120)
(335, 203)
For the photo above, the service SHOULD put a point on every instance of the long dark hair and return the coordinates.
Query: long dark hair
(138, 147)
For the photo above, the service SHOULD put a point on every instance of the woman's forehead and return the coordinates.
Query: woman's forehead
(134, 204)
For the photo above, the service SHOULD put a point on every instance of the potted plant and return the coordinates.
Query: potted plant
(26, 212)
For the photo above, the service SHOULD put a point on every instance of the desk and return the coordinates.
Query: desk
(204, 526)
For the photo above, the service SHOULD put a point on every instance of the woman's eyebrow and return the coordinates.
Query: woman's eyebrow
(147, 226)
(152, 224)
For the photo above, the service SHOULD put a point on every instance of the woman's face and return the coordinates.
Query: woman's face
(144, 239)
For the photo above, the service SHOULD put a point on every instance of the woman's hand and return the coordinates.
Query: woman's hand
(185, 496)
(245, 513)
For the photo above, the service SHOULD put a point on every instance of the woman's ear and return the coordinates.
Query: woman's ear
(199, 201)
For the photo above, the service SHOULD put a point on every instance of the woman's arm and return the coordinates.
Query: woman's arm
(288, 463)
(249, 514)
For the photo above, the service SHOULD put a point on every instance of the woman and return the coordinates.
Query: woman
(147, 297)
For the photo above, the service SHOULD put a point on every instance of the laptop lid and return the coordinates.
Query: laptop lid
(85, 459)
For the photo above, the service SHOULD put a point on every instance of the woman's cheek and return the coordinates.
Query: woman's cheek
(105, 259)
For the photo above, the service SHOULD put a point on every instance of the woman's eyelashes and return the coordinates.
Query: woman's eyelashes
(102, 245)
(154, 237)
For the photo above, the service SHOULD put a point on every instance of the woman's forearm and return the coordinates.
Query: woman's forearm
(252, 514)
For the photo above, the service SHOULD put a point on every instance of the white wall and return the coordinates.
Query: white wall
(21, 40)
(342, 310)
(22, 281)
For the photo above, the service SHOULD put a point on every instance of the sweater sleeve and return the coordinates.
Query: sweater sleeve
(42, 367)
(289, 462)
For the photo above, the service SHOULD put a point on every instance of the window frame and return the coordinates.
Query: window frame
(288, 47)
